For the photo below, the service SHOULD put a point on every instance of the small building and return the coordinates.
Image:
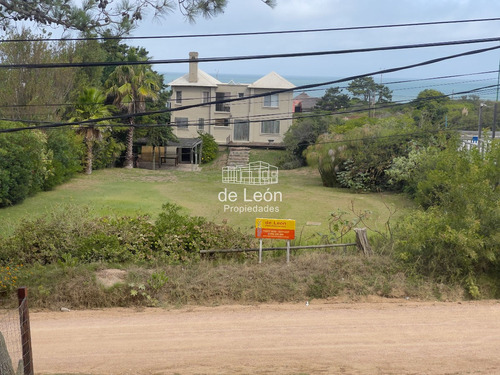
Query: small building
(304, 103)
(256, 120)
(186, 151)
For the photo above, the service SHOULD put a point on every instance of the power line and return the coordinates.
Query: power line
(277, 32)
(252, 119)
(384, 71)
(251, 57)
(343, 87)
(110, 118)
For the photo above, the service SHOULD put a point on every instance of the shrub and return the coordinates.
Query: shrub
(359, 158)
(24, 164)
(73, 235)
(67, 152)
(180, 237)
(9, 277)
(454, 237)
(210, 149)
(106, 152)
(303, 132)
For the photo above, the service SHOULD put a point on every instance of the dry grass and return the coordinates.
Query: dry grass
(312, 275)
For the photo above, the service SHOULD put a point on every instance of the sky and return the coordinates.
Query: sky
(254, 15)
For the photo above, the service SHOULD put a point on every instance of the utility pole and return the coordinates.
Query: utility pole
(479, 125)
(494, 127)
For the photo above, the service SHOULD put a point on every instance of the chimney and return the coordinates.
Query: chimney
(193, 67)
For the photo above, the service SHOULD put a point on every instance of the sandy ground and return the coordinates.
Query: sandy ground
(326, 337)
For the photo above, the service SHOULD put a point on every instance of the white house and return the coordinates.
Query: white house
(263, 119)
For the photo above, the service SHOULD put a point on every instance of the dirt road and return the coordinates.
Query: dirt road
(391, 337)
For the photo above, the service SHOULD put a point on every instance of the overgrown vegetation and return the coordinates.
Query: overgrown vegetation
(453, 236)
(359, 158)
(218, 281)
(75, 236)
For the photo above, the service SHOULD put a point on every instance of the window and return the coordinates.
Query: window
(178, 97)
(222, 122)
(222, 107)
(181, 122)
(270, 127)
(205, 96)
(201, 124)
(271, 100)
(241, 95)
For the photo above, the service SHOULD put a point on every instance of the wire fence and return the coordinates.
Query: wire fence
(11, 354)
(15, 338)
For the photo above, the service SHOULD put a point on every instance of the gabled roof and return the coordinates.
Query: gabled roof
(307, 102)
(272, 81)
(204, 80)
(302, 96)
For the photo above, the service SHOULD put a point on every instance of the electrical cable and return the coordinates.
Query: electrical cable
(384, 71)
(342, 87)
(348, 28)
(309, 115)
(250, 57)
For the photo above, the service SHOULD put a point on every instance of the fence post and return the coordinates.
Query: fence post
(362, 241)
(22, 296)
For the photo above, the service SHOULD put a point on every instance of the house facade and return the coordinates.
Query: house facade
(263, 119)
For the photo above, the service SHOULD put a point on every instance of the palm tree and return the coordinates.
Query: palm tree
(130, 86)
(89, 106)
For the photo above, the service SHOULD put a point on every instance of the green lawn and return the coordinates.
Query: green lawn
(138, 191)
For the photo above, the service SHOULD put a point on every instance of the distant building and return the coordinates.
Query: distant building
(259, 120)
(304, 103)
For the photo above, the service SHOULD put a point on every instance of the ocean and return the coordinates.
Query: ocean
(403, 89)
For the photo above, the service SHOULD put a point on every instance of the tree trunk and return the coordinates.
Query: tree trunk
(90, 157)
(129, 156)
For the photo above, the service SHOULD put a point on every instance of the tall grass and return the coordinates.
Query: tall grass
(310, 276)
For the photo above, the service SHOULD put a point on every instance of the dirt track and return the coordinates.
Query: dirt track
(395, 337)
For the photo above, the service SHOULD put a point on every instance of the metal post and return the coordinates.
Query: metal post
(22, 296)
(494, 127)
(288, 251)
(479, 126)
(260, 251)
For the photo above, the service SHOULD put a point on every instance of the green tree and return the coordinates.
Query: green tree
(303, 133)
(91, 106)
(366, 90)
(130, 86)
(120, 16)
(333, 100)
(431, 108)
(30, 94)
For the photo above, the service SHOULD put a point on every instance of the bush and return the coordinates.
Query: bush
(303, 132)
(359, 158)
(24, 164)
(455, 236)
(74, 235)
(210, 149)
(181, 237)
(106, 152)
